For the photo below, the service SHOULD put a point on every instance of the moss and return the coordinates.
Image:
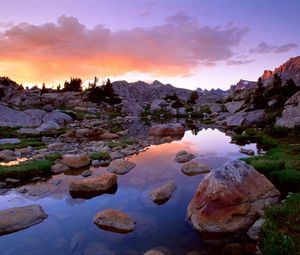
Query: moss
(25, 142)
(26, 170)
(53, 156)
(122, 143)
(101, 155)
(281, 229)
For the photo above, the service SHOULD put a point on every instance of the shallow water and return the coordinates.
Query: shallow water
(69, 228)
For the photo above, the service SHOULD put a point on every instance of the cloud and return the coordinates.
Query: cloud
(264, 48)
(68, 48)
(145, 14)
(239, 62)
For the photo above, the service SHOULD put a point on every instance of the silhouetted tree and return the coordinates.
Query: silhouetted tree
(259, 101)
(44, 89)
(73, 85)
(58, 88)
(193, 97)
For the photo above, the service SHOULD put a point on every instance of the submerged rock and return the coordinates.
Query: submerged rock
(247, 151)
(231, 198)
(120, 166)
(87, 188)
(183, 156)
(167, 130)
(18, 218)
(76, 160)
(163, 194)
(115, 221)
(193, 168)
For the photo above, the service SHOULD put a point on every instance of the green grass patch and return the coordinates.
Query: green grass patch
(53, 156)
(25, 142)
(122, 143)
(101, 155)
(26, 170)
(282, 228)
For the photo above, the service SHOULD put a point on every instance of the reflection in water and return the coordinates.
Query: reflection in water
(69, 228)
(14, 162)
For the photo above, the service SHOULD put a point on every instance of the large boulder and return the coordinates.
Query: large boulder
(76, 160)
(86, 188)
(246, 118)
(18, 218)
(58, 117)
(234, 106)
(115, 221)
(13, 118)
(290, 117)
(231, 198)
(48, 126)
(120, 166)
(173, 129)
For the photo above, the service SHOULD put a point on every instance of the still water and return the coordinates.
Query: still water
(69, 228)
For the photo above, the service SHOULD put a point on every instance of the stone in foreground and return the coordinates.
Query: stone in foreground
(231, 198)
(18, 218)
(115, 221)
(87, 188)
(167, 130)
(193, 168)
(76, 160)
(120, 166)
(163, 194)
(183, 156)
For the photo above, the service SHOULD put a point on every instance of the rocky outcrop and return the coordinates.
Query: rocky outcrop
(120, 166)
(18, 218)
(172, 129)
(164, 193)
(246, 118)
(115, 221)
(290, 117)
(231, 198)
(194, 168)
(87, 188)
(76, 160)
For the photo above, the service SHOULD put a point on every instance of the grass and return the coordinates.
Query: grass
(282, 228)
(101, 155)
(26, 170)
(122, 143)
(25, 142)
(53, 156)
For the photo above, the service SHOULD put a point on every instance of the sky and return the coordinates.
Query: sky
(189, 44)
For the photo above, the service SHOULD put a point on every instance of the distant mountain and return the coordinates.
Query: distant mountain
(288, 70)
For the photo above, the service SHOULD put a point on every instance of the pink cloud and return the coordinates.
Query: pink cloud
(265, 47)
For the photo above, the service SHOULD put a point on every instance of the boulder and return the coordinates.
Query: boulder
(234, 106)
(231, 198)
(173, 129)
(183, 156)
(58, 117)
(18, 218)
(254, 232)
(90, 187)
(14, 118)
(246, 118)
(120, 166)
(290, 117)
(193, 168)
(58, 168)
(115, 221)
(108, 135)
(76, 160)
(164, 193)
(48, 126)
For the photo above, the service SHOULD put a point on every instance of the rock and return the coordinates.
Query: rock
(36, 191)
(82, 132)
(95, 162)
(164, 193)
(76, 160)
(108, 135)
(115, 221)
(2, 185)
(193, 168)
(10, 141)
(167, 130)
(55, 146)
(6, 154)
(48, 108)
(153, 252)
(28, 131)
(18, 218)
(87, 173)
(290, 117)
(13, 118)
(58, 117)
(246, 118)
(234, 106)
(58, 168)
(116, 155)
(12, 181)
(120, 166)
(231, 198)
(47, 126)
(87, 188)
(183, 156)
(254, 231)
(247, 151)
